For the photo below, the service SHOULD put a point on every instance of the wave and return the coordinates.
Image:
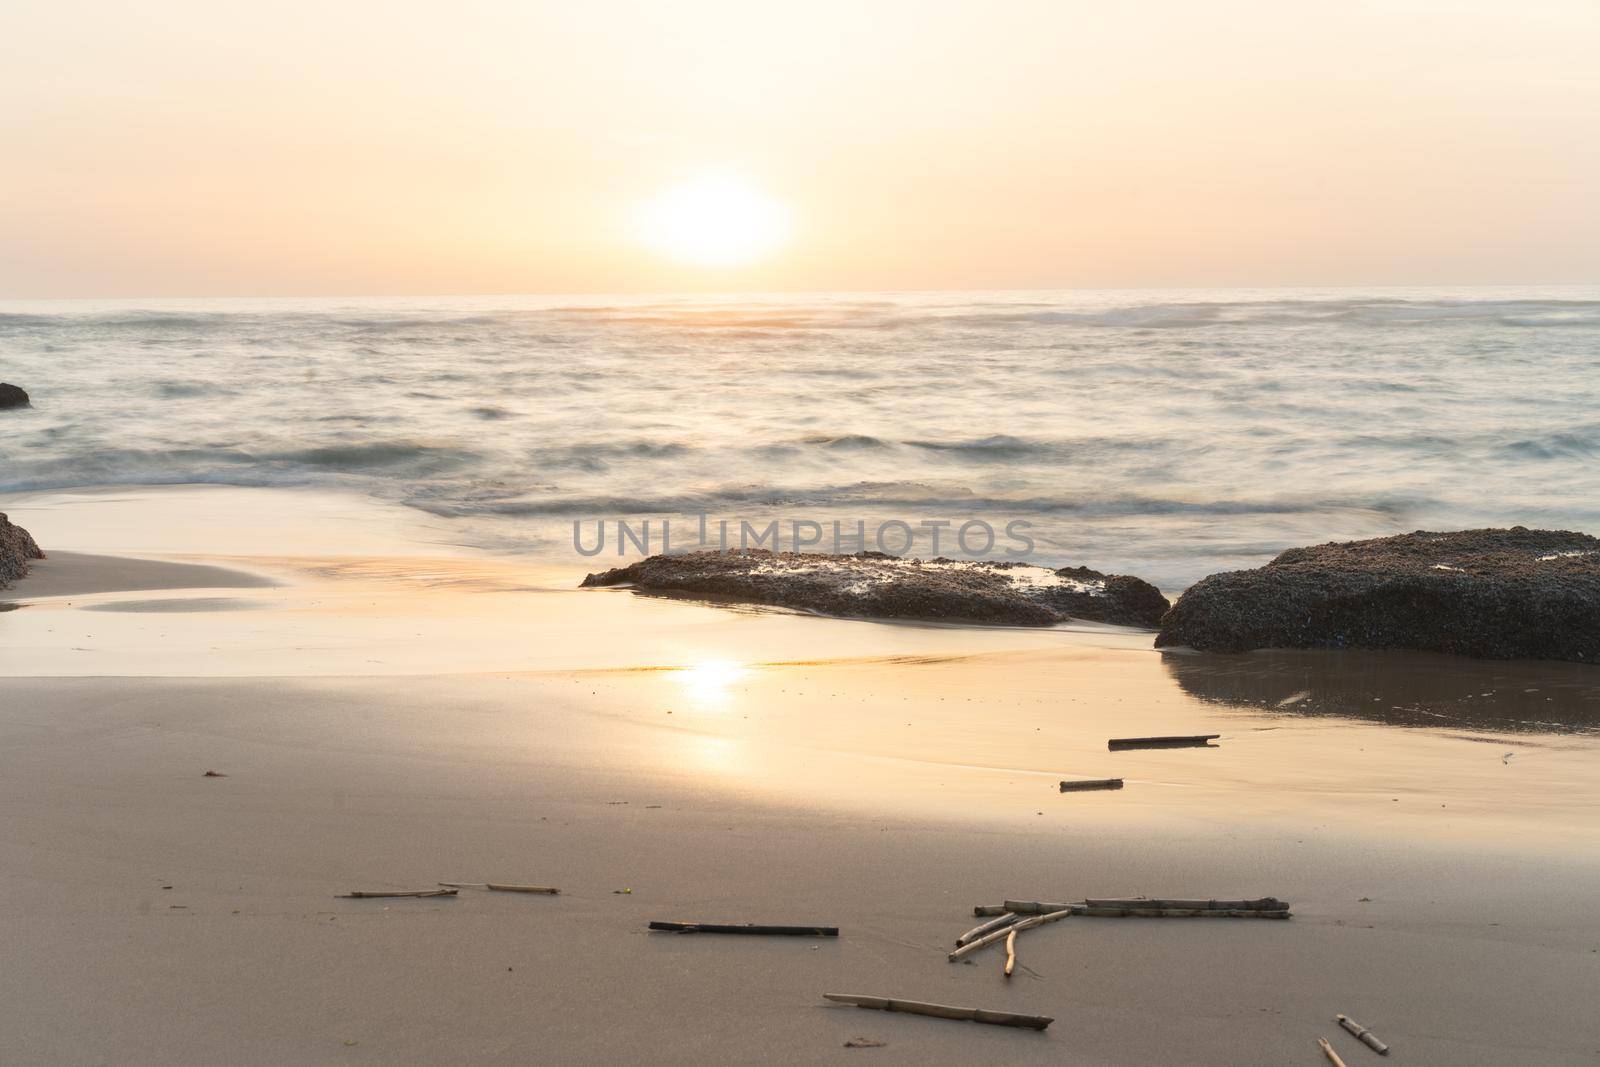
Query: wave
(595, 457)
(178, 390)
(1579, 444)
(1008, 448)
(995, 446)
(416, 322)
(927, 499)
(377, 455)
(850, 442)
(233, 466)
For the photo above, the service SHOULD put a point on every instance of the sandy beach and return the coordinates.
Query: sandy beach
(617, 533)
(390, 712)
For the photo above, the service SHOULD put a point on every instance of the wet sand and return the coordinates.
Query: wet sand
(750, 766)
(66, 574)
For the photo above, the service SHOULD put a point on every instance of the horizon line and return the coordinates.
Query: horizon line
(720, 293)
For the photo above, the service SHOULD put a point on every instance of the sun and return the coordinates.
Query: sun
(715, 220)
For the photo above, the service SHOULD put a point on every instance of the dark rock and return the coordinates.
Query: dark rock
(1494, 594)
(17, 547)
(12, 396)
(875, 585)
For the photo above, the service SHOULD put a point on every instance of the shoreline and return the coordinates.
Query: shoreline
(743, 766)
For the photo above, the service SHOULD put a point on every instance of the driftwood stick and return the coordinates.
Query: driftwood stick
(1327, 1050)
(1189, 741)
(1006, 919)
(988, 939)
(1035, 907)
(1182, 913)
(503, 887)
(1011, 951)
(1091, 783)
(1264, 904)
(1362, 1034)
(942, 1011)
(358, 895)
(979, 911)
(746, 928)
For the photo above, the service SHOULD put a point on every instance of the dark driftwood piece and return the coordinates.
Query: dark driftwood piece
(979, 911)
(1037, 907)
(1362, 1034)
(746, 928)
(1181, 913)
(1191, 741)
(358, 895)
(1091, 783)
(1006, 919)
(943, 1011)
(503, 887)
(1264, 904)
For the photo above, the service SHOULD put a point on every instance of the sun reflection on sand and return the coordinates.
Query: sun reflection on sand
(708, 683)
(715, 755)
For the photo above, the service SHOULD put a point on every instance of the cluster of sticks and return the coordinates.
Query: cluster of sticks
(1010, 918)
(1013, 916)
(1365, 1036)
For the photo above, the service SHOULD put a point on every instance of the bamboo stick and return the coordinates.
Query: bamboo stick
(942, 1011)
(358, 895)
(1327, 1050)
(1011, 951)
(1091, 783)
(1006, 919)
(988, 939)
(1264, 904)
(981, 910)
(746, 928)
(1034, 907)
(1362, 1034)
(1189, 741)
(503, 887)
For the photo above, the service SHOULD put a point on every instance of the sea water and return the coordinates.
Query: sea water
(1168, 433)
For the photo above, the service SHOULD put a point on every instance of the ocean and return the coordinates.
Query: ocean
(1168, 434)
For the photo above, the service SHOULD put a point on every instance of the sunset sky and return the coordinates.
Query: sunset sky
(219, 148)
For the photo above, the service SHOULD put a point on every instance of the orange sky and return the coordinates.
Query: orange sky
(181, 147)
